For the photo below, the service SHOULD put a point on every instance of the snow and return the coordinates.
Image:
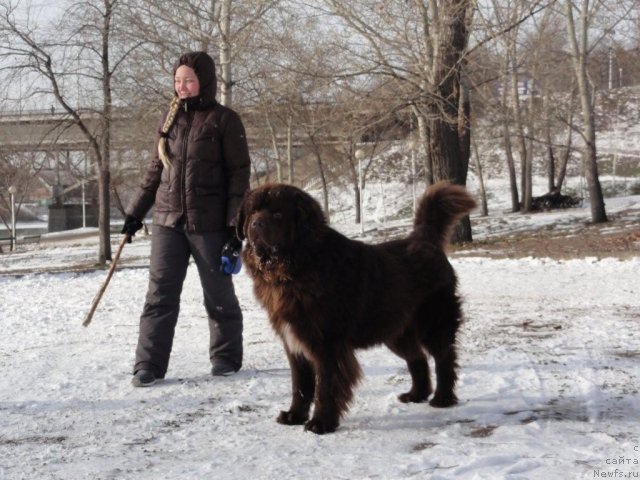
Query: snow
(548, 379)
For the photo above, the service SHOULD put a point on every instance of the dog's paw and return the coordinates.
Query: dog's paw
(443, 401)
(291, 418)
(320, 427)
(412, 397)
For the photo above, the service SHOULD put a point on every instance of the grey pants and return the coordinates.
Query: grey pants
(171, 249)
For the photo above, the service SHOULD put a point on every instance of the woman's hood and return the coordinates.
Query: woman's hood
(205, 69)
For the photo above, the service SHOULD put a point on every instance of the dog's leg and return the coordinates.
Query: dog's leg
(420, 383)
(302, 390)
(446, 364)
(337, 375)
(441, 344)
(408, 348)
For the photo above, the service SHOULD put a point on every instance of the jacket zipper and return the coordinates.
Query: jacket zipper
(185, 142)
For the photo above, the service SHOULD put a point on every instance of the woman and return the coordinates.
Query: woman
(195, 182)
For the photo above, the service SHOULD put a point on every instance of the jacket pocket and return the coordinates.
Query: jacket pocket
(165, 178)
(208, 133)
(163, 201)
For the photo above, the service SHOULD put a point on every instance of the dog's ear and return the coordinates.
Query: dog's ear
(310, 214)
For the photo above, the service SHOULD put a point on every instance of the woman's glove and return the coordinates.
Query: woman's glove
(131, 226)
(230, 262)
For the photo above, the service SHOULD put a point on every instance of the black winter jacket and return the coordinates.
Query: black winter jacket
(210, 165)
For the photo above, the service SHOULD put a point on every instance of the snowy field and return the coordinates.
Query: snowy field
(549, 381)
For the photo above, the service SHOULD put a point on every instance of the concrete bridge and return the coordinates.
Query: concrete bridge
(55, 131)
(62, 151)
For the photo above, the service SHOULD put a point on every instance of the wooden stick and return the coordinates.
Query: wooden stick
(98, 297)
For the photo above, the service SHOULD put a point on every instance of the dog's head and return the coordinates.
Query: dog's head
(278, 221)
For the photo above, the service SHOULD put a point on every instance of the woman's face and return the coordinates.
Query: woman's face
(186, 82)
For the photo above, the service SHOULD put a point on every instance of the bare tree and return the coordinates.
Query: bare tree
(420, 47)
(18, 170)
(314, 124)
(484, 208)
(578, 31)
(80, 48)
(364, 133)
(296, 92)
(233, 29)
(567, 145)
(588, 23)
(508, 23)
(274, 101)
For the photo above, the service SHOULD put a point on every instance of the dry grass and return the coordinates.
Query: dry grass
(618, 238)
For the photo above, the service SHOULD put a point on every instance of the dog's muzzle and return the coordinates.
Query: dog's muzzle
(267, 255)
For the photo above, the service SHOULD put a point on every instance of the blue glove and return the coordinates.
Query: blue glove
(230, 262)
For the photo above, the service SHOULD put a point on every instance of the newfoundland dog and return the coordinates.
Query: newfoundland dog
(328, 295)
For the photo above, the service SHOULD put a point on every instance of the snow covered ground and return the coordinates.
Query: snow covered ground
(548, 382)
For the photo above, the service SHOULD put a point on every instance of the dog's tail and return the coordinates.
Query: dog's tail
(439, 210)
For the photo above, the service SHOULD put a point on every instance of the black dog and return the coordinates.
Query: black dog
(328, 295)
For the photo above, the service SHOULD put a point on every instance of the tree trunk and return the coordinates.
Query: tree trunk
(446, 150)
(276, 150)
(528, 166)
(104, 160)
(290, 148)
(448, 125)
(462, 232)
(568, 146)
(551, 165)
(518, 125)
(562, 171)
(104, 219)
(551, 158)
(598, 213)
(590, 157)
(226, 86)
(506, 137)
(355, 177)
(321, 173)
(511, 166)
(484, 209)
(423, 146)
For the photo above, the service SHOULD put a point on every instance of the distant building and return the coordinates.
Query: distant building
(526, 86)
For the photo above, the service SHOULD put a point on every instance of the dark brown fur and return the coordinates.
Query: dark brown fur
(328, 295)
